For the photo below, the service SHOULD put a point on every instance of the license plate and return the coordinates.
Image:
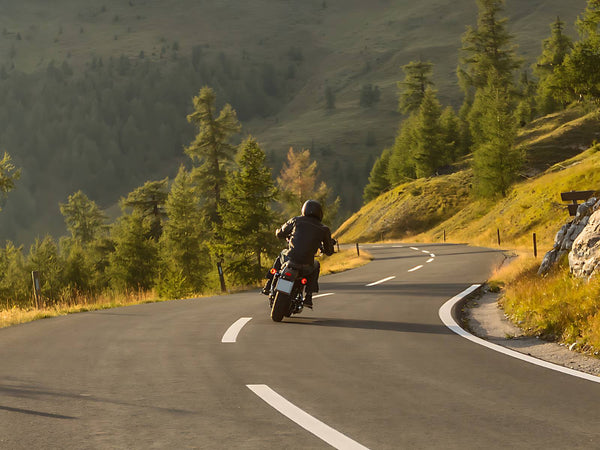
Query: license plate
(285, 286)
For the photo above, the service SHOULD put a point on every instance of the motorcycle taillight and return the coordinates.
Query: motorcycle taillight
(273, 271)
(304, 281)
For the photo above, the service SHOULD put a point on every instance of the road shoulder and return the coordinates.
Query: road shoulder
(486, 320)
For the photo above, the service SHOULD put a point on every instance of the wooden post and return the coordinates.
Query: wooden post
(498, 232)
(357, 250)
(534, 246)
(444, 235)
(35, 276)
(221, 277)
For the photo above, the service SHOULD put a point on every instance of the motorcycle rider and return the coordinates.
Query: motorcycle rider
(305, 234)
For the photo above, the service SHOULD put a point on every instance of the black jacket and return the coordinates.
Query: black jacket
(306, 235)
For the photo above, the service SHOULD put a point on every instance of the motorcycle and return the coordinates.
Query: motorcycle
(288, 291)
(288, 288)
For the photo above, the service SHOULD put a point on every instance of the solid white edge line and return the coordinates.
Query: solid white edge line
(445, 314)
(416, 268)
(380, 281)
(232, 332)
(323, 295)
(302, 418)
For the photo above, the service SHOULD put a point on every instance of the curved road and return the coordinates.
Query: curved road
(372, 367)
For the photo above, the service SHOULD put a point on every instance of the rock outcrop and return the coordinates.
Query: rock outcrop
(569, 233)
(584, 258)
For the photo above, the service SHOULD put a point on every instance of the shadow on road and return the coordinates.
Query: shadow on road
(36, 413)
(371, 325)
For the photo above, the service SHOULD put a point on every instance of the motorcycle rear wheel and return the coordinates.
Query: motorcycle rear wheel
(281, 307)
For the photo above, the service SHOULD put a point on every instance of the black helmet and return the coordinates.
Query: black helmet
(312, 208)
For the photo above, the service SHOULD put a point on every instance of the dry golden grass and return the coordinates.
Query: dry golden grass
(344, 260)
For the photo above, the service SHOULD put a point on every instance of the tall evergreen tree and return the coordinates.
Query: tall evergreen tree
(149, 200)
(416, 81)
(378, 178)
(184, 254)
(248, 220)
(554, 51)
(578, 78)
(8, 175)
(134, 262)
(429, 151)
(84, 219)
(212, 148)
(401, 167)
(487, 49)
(496, 160)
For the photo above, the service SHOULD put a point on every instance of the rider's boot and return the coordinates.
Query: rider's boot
(308, 300)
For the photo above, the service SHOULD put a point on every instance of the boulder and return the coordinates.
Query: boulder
(584, 257)
(568, 234)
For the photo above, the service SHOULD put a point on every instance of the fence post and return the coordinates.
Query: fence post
(221, 277)
(357, 250)
(35, 276)
(498, 231)
(444, 235)
(534, 246)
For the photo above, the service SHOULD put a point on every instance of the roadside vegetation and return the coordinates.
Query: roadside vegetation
(13, 315)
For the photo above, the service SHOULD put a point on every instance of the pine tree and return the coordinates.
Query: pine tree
(84, 219)
(554, 51)
(134, 262)
(248, 220)
(412, 89)
(578, 78)
(212, 148)
(401, 167)
(15, 284)
(429, 151)
(451, 131)
(487, 49)
(496, 160)
(184, 256)
(44, 257)
(8, 175)
(149, 200)
(378, 178)
(297, 183)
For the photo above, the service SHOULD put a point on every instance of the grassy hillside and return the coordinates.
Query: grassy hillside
(533, 206)
(341, 44)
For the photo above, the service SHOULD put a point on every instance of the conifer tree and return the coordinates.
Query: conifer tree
(378, 178)
(8, 175)
(248, 219)
(496, 160)
(183, 252)
(44, 257)
(149, 200)
(212, 148)
(401, 167)
(554, 51)
(412, 89)
(578, 78)
(134, 262)
(487, 49)
(15, 285)
(84, 219)
(429, 151)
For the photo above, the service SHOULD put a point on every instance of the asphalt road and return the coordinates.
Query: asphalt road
(371, 366)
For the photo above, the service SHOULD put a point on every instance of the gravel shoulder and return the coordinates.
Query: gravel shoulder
(486, 320)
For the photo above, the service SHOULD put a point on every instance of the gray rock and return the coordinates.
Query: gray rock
(584, 257)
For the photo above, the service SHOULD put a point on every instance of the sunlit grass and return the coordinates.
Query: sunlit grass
(557, 306)
(344, 260)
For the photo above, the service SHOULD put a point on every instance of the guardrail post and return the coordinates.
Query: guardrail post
(357, 250)
(221, 277)
(534, 246)
(498, 232)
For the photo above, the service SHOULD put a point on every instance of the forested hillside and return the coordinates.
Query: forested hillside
(94, 94)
